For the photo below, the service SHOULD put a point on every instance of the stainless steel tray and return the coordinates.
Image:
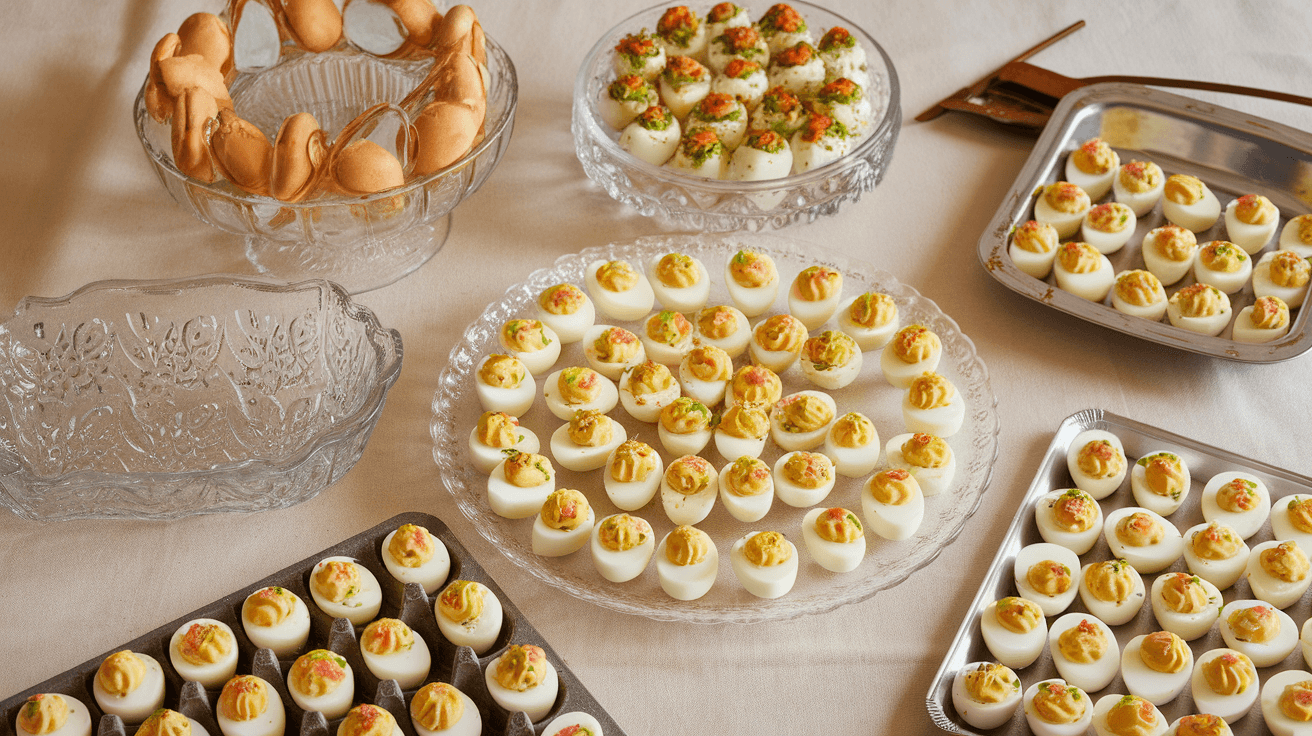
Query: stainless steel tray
(1204, 461)
(1234, 153)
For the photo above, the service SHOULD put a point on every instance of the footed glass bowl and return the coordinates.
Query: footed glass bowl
(163, 399)
(698, 204)
(362, 243)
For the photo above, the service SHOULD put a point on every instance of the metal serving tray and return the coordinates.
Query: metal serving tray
(1234, 153)
(1204, 461)
(456, 665)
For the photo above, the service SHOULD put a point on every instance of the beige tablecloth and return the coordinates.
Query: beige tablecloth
(78, 202)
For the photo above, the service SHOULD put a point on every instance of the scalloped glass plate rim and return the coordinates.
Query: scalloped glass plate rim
(891, 119)
(442, 431)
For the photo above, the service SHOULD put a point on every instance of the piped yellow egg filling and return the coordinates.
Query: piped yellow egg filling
(1215, 542)
(1132, 716)
(268, 606)
(1238, 496)
(1199, 300)
(1111, 581)
(437, 706)
(752, 270)
(1083, 643)
(745, 421)
(1049, 577)
(623, 532)
(925, 450)
(756, 385)
(1065, 197)
(525, 335)
(616, 345)
(668, 328)
(991, 683)
(590, 428)
(717, 323)
(1290, 270)
(337, 580)
(1094, 157)
(1229, 674)
(1255, 624)
(1100, 459)
(748, 476)
(809, 470)
(1140, 288)
(317, 673)
(633, 461)
(853, 430)
(1140, 177)
(1077, 257)
(461, 601)
(930, 391)
(1139, 530)
(562, 299)
(502, 371)
(1285, 561)
(367, 720)
(1176, 243)
(565, 509)
(1111, 217)
(872, 309)
(1163, 473)
(893, 487)
(817, 283)
(781, 332)
(497, 429)
(205, 644)
(1057, 703)
(838, 525)
(165, 722)
(1074, 511)
(677, 271)
(767, 549)
(649, 378)
(1163, 651)
(685, 415)
(1300, 513)
(1184, 189)
(244, 698)
(709, 363)
(1222, 256)
(1296, 701)
(121, 673)
(805, 413)
(617, 276)
(387, 636)
(1184, 593)
(1202, 724)
(1254, 209)
(688, 475)
(1035, 237)
(687, 545)
(1018, 615)
(914, 343)
(42, 714)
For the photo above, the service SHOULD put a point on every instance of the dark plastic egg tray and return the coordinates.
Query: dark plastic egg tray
(458, 666)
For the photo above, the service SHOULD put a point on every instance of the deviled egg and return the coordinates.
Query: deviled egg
(927, 457)
(834, 538)
(439, 709)
(276, 618)
(1238, 500)
(852, 443)
(831, 360)
(1297, 236)
(1033, 248)
(633, 473)
(986, 695)
(365, 720)
(469, 614)
(586, 441)
(679, 281)
(503, 383)
(1250, 221)
(1112, 590)
(322, 680)
(1149, 542)
(667, 337)
(612, 350)
(742, 431)
(1291, 518)
(564, 524)
(161, 722)
(1189, 203)
(777, 342)
(647, 388)
(747, 489)
(765, 563)
(1013, 631)
(704, 372)
(683, 83)
(1085, 651)
(1264, 320)
(520, 484)
(575, 389)
(1139, 293)
(1200, 308)
(1070, 518)
(532, 342)
(249, 706)
(1092, 167)
(688, 489)
(523, 679)
(1108, 226)
(800, 421)
(1083, 271)
(1169, 252)
(1160, 482)
(1224, 683)
(870, 318)
(893, 504)
(1117, 714)
(1048, 574)
(1266, 635)
(343, 588)
(52, 714)
(1278, 572)
(933, 405)
(567, 311)
(1223, 265)
(752, 281)
(622, 546)
(1283, 274)
(1096, 461)
(1185, 605)
(1287, 702)
(496, 432)
(1139, 184)
(685, 426)
(814, 296)
(129, 685)
(686, 563)
(204, 650)
(1216, 553)
(1062, 205)
(803, 479)
(653, 136)
(619, 290)
(723, 327)
(914, 350)
(393, 651)
(753, 384)
(1199, 724)
(1054, 708)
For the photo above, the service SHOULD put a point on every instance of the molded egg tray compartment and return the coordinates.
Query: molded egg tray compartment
(458, 666)
(1232, 152)
(1203, 461)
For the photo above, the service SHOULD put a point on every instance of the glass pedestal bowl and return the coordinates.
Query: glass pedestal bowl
(363, 242)
(708, 205)
(162, 399)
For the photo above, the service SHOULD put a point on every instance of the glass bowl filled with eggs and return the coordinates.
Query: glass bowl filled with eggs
(736, 118)
(163, 399)
(337, 144)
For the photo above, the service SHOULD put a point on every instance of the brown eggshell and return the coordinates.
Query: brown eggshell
(443, 133)
(417, 16)
(298, 154)
(315, 25)
(242, 153)
(180, 73)
(364, 167)
(191, 110)
(207, 35)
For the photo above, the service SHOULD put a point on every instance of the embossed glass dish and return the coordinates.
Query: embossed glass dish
(456, 410)
(162, 399)
(362, 242)
(694, 203)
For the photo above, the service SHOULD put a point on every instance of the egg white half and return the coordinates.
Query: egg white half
(982, 715)
(536, 701)
(479, 633)
(1030, 555)
(209, 674)
(1149, 558)
(763, 582)
(1156, 687)
(1248, 522)
(137, 705)
(359, 608)
(1263, 654)
(1088, 676)
(1221, 573)
(686, 582)
(1187, 626)
(1229, 707)
(1269, 588)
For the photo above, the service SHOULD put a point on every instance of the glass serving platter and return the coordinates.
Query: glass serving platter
(456, 410)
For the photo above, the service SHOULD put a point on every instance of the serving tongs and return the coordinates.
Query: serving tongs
(1019, 93)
